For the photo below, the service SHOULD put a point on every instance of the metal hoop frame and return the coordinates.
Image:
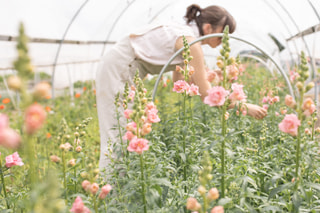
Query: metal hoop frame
(220, 35)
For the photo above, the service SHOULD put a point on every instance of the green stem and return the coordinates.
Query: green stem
(222, 151)
(95, 203)
(184, 142)
(64, 177)
(142, 185)
(75, 176)
(30, 154)
(4, 186)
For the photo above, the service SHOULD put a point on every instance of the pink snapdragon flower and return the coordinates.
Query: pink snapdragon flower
(290, 124)
(132, 126)
(105, 191)
(131, 95)
(308, 106)
(128, 136)
(237, 93)
(193, 204)
(35, 117)
(216, 96)
(180, 86)
(13, 160)
(232, 72)
(152, 116)
(86, 185)
(127, 113)
(8, 137)
(94, 188)
(289, 101)
(138, 145)
(193, 90)
(79, 207)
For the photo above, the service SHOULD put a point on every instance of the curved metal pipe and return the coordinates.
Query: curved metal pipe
(114, 24)
(285, 25)
(60, 44)
(259, 60)
(220, 35)
(306, 45)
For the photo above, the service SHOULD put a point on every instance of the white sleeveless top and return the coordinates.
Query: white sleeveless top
(155, 43)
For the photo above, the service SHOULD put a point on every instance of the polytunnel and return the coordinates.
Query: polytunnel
(68, 38)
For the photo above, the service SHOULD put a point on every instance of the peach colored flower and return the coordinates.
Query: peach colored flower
(35, 117)
(308, 106)
(192, 204)
(2, 106)
(42, 90)
(48, 135)
(13, 160)
(77, 95)
(132, 126)
(138, 145)
(216, 96)
(237, 93)
(211, 75)
(86, 185)
(180, 86)
(193, 90)
(9, 138)
(217, 209)
(213, 194)
(55, 159)
(94, 188)
(146, 129)
(290, 124)
(232, 72)
(79, 207)
(289, 101)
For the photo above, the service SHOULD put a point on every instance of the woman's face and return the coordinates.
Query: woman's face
(215, 41)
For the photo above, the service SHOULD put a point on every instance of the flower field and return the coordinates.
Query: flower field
(175, 154)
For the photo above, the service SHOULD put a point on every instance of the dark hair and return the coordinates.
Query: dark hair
(214, 15)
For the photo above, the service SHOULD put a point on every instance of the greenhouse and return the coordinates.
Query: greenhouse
(159, 106)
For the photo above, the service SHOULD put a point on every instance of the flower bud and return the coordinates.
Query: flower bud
(220, 64)
(78, 149)
(202, 190)
(72, 162)
(14, 82)
(309, 86)
(42, 90)
(299, 85)
(55, 159)
(76, 134)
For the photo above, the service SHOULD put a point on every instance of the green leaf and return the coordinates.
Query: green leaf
(224, 201)
(162, 181)
(279, 189)
(183, 157)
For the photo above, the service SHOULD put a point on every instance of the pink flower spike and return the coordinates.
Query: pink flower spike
(153, 117)
(216, 96)
(13, 160)
(105, 191)
(138, 145)
(79, 207)
(290, 124)
(128, 136)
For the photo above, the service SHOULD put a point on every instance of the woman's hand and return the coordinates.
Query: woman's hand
(256, 111)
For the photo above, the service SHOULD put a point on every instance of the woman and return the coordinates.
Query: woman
(148, 50)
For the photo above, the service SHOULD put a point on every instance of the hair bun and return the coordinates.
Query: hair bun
(192, 12)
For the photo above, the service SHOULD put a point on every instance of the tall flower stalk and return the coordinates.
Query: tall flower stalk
(183, 87)
(221, 97)
(143, 114)
(291, 123)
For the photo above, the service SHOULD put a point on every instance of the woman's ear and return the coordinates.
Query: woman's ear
(207, 29)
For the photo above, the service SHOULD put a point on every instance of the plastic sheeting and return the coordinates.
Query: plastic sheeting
(107, 21)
